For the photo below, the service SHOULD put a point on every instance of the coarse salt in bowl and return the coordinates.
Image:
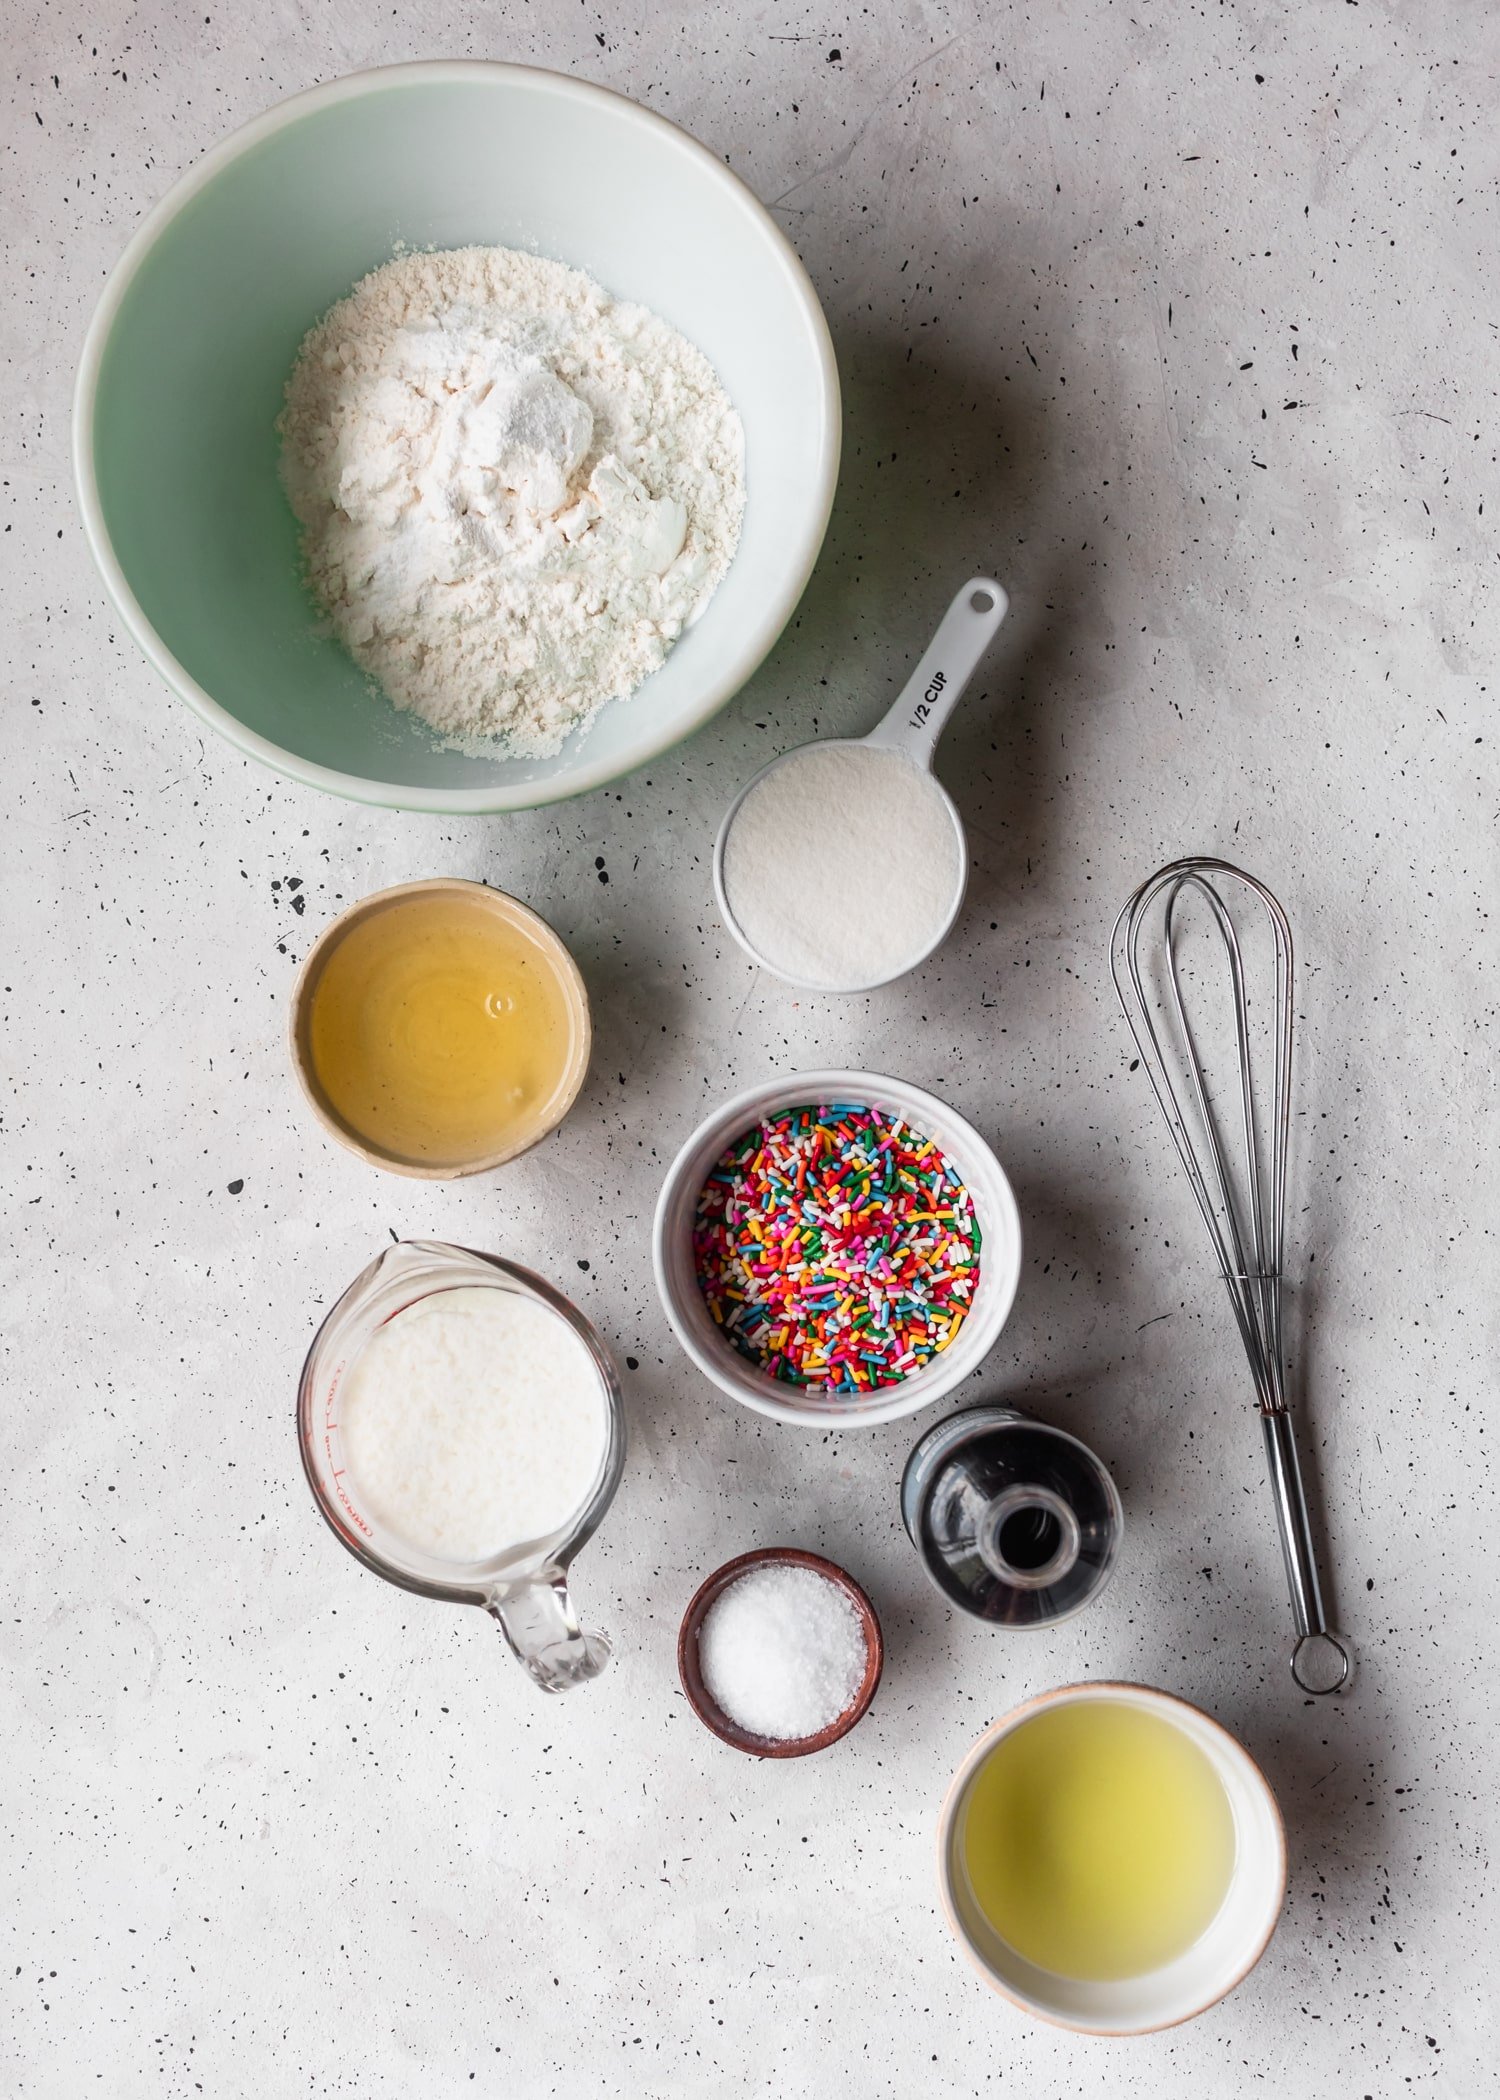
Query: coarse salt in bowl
(852, 1695)
(734, 1374)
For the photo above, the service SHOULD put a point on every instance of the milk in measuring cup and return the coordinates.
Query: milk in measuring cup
(474, 1420)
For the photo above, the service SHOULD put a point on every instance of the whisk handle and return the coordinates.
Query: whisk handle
(1321, 1661)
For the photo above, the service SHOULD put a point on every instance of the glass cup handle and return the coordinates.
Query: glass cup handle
(538, 1620)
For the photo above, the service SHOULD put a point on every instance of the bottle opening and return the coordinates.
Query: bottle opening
(1029, 1538)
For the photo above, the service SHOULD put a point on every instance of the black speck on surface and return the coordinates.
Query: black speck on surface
(235, 1187)
(584, 1266)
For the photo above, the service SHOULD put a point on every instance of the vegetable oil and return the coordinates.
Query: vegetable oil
(1098, 1840)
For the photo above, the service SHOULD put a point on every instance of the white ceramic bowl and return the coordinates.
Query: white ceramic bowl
(1220, 1958)
(185, 360)
(717, 1359)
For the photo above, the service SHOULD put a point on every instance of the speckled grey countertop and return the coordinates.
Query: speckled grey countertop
(1182, 322)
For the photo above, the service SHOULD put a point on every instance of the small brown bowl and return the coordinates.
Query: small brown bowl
(713, 1715)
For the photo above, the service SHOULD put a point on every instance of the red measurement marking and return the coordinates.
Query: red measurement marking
(330, 1396)
(336, 1473)
(353, 1512)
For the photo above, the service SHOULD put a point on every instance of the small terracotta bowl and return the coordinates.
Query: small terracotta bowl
(713, 1715)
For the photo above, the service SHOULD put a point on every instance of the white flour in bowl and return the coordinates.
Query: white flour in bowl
(514, 491)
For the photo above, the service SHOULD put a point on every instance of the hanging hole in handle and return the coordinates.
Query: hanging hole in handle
(981, 601)
(1321, 1664)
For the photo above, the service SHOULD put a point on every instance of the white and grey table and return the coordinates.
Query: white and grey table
(1181, 321)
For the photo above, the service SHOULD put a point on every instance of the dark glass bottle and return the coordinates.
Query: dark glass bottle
(1017, 1522)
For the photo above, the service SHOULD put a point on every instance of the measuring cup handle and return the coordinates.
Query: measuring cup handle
(538, 1620)
(951, 658)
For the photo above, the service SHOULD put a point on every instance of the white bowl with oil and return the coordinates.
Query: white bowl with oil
(1218, 1958)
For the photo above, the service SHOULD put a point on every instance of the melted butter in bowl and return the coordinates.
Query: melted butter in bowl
(440, 1029)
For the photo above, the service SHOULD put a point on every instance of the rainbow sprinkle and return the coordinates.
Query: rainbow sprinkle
(836, 1248)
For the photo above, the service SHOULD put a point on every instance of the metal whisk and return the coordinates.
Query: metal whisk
(1245, 1212)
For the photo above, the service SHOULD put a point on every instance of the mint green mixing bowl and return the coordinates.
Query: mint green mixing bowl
(181, 382)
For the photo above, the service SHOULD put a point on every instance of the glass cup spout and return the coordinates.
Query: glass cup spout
(538, 1620)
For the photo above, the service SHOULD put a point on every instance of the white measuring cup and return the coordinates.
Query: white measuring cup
(911, 727)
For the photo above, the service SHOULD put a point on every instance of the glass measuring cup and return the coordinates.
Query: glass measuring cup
(525, 1587)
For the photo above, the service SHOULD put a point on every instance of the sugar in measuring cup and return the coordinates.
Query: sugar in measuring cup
(843, 863)
(461, 1429)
